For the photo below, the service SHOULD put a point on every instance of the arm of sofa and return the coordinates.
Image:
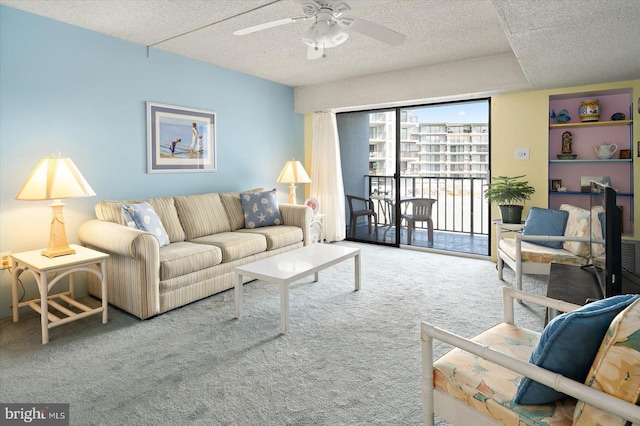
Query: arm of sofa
(556, 381)
(133, 267)
(297, 215)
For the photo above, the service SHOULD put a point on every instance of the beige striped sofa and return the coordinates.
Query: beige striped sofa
(207, 240)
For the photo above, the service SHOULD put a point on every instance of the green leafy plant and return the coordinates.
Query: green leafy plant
(508, 191)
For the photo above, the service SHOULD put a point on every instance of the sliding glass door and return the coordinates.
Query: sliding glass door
(368, 152)
(421, 172)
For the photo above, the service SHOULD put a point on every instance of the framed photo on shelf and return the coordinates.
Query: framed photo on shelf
(556, 184)
(180, 139)
(585, 182)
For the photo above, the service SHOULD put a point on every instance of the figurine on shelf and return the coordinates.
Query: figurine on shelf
(562, 117)
(567, 147)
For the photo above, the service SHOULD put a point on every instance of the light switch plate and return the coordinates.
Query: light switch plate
(522, 153)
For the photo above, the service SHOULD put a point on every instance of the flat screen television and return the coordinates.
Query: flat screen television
(606, 238)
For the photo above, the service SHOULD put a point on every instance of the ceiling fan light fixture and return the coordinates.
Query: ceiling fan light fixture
(324, 34)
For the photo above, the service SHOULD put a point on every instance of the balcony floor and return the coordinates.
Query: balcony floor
(448, 241)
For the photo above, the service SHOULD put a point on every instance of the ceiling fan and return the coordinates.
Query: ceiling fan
(329, 26)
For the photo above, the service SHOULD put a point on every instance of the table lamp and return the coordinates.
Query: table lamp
(52, 179)
(293, 173)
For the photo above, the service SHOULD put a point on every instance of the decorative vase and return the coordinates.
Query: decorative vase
(589, 110)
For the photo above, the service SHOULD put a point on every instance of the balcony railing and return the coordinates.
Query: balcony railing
(460, 205)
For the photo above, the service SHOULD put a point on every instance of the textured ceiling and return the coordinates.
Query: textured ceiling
(557, 43)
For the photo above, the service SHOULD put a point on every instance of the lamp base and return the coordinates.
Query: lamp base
(58, 245)
(58, 252)
(292, 194)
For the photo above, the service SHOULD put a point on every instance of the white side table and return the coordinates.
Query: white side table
(84, 260)
(317, 222)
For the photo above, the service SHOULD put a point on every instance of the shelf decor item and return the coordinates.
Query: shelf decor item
(567, 150)
(506, 192)
(561, 117)
(605, 150)
(585, 182)
(590, 110)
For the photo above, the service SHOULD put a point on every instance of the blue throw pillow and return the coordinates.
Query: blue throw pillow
(142, 216)
(546, 222)
(568, 345)
(260, 209)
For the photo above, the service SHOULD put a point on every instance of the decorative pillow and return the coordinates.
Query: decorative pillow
(568, 345)
(260, 209)
(142, 216)
(546, 222)
(616, 369)
(233, 207)
(577, 226)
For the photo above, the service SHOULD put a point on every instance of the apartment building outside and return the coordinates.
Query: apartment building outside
(427, 149)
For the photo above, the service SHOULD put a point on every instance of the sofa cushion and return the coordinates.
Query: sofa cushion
(202, 214)
(489, 388)
(568, 345)
(277, 236)
(111, 211)
(142, 216)
(540, 254)
(183, 258)
(235, 245)
(546, 222)
(577, 226)
(233, 207)
(616, 368)
(260, 209)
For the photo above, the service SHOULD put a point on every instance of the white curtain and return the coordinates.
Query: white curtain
(326, 174)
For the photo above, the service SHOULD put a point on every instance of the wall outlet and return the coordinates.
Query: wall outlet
(522, 154)
(5, 260)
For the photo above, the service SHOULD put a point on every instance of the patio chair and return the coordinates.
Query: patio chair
(417, 210)
(358, 207)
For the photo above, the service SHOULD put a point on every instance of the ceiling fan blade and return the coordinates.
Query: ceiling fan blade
(314, 52)
(268, 25)
(375, 31)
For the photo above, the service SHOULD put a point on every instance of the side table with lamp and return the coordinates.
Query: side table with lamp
(56, 178)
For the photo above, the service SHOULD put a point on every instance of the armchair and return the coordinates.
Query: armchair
(547, 236)
(361, 207)
(417, 210)
(475, 383)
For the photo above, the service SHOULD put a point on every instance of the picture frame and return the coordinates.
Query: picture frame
(585, 182)
(180, 139)
(555, 185)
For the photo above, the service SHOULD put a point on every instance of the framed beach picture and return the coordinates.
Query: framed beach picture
(180, 139)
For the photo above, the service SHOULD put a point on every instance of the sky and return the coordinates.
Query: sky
(467, 112)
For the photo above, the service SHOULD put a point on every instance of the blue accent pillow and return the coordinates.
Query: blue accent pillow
(568, 345)
(546, 222)
(142, 216)
(260, 209)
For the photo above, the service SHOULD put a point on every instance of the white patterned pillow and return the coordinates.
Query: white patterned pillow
(260, 209)
(577, 226)
(142, 216)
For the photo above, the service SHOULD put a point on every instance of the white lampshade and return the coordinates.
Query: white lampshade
(293, 172)
(55, 178)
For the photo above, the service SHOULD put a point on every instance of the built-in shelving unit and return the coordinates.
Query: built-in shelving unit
(571, 173)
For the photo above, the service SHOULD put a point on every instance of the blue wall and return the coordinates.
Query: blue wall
(63, 88)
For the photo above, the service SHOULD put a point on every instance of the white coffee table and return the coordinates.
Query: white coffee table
(291, 266)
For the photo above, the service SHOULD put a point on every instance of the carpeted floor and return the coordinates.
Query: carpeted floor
(352, 358)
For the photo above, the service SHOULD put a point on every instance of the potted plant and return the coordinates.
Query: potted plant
(509, 193)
